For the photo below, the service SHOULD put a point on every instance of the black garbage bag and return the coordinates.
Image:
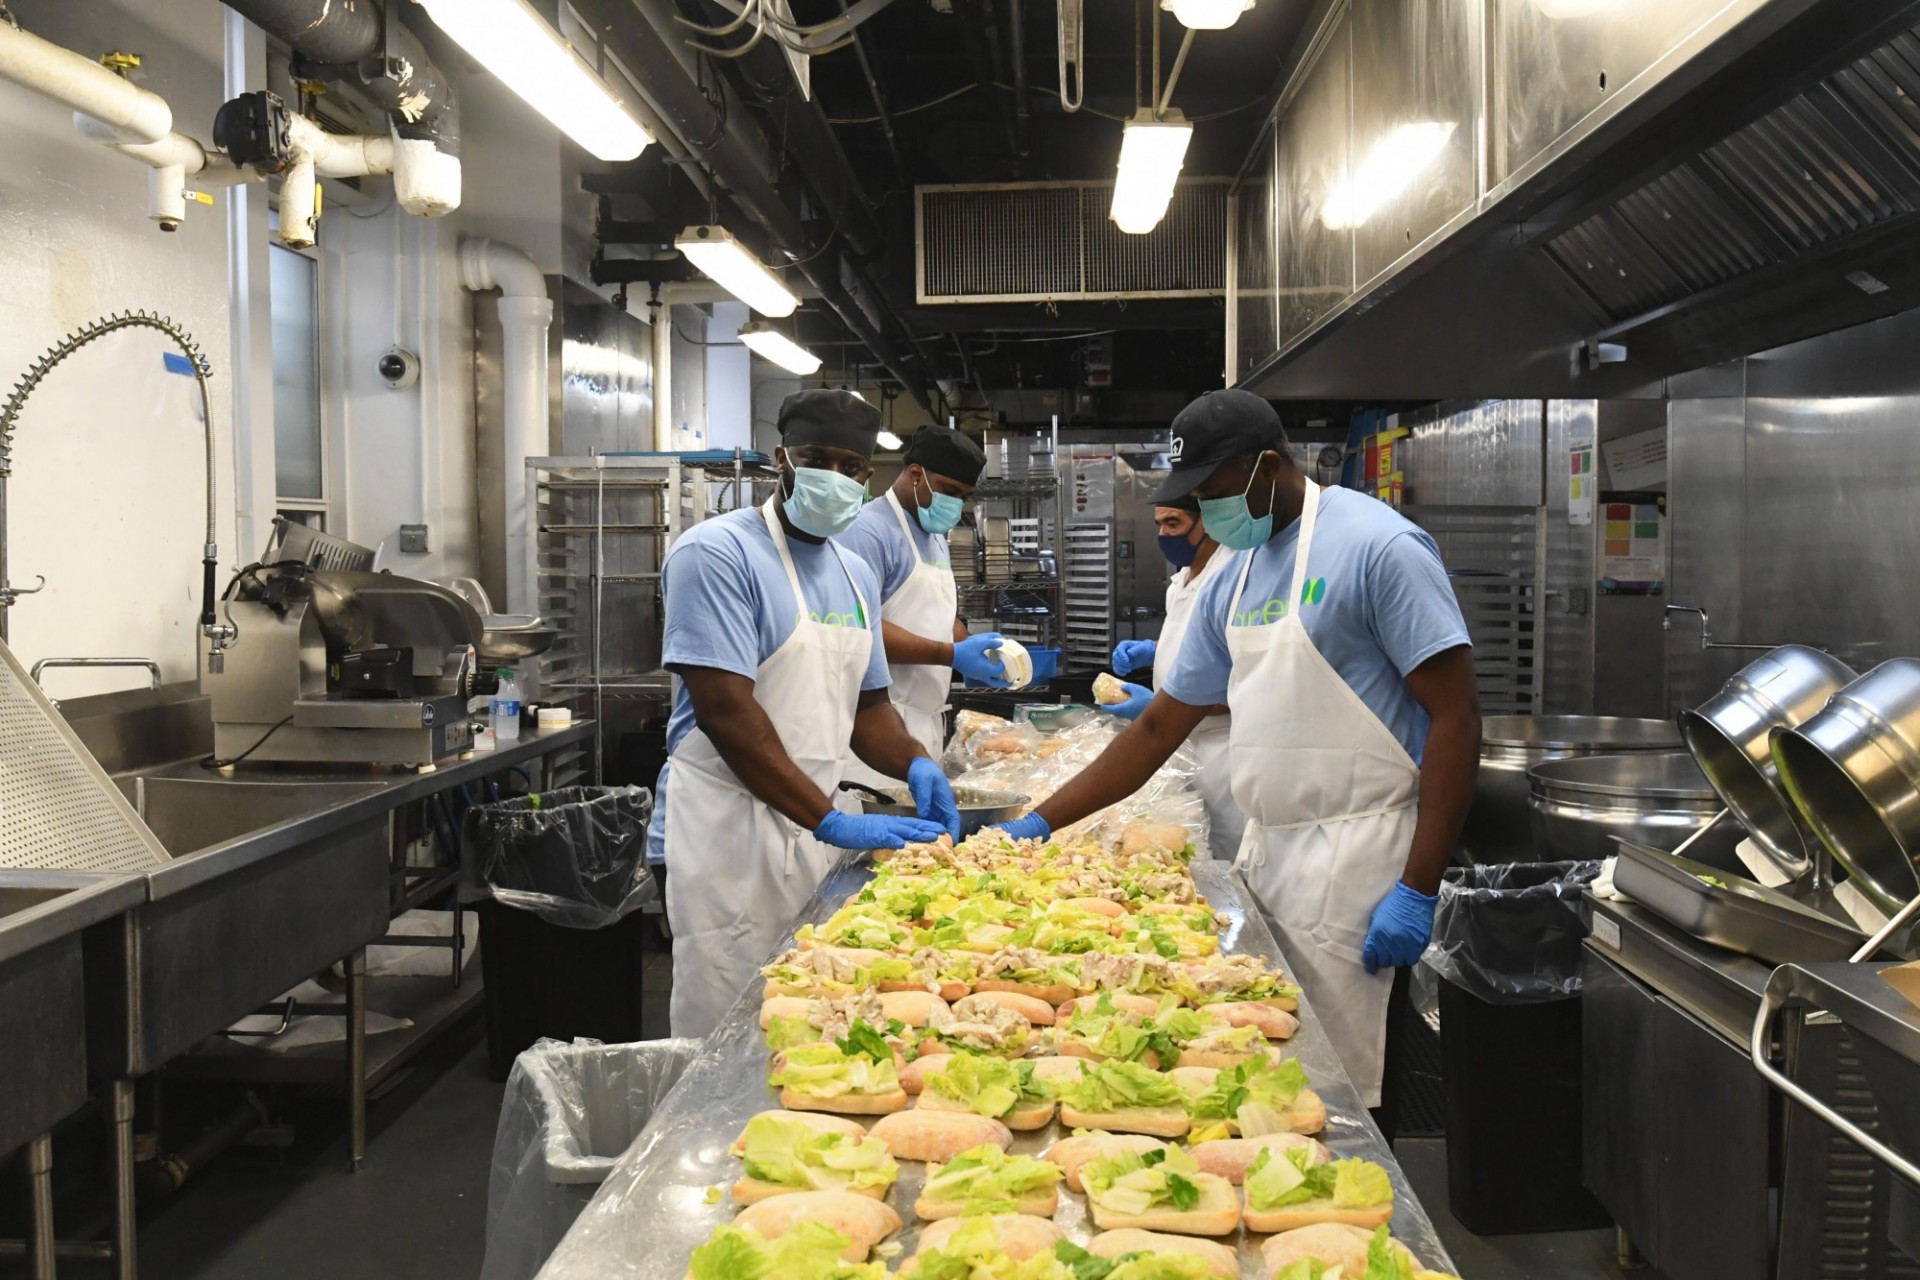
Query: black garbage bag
(573, 856)
(1510, 933)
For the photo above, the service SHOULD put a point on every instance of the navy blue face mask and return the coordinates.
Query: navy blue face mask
(1178, 551)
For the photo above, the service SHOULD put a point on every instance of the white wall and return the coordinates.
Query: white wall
(106, 497)
(729, 379)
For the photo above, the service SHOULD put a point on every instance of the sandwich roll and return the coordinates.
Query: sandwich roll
(1152, 837)
(1220, 1258)
(915, 1007)
(1220, 1059)
(1098, 906)
(1216, 1214)
(1058, 1070)
(1230, 1158)
(1074, 1154)
(1041, 1203)
(1274, 1024)
(913, 1076)
(1332, 1244)
(1035, 1010)
(1123, 1002)
(1158, 1122)
(847, 1104)
(753, 1191)
(936, 1137)
(1022, 1235)
(815, 1120)
(1051, 992)
(1024, 1118)
(863, 1221)
(1305, 1215)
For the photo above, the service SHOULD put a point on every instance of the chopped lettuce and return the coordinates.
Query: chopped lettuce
(791, 1153)
(1131, 1266)
(1269, 1085)
(1278, 1179)
(991, 1087)
(1387, 1260)
(1122, 1086)
(824, 1071)
(811, 1251)
(974, 1253)
(888, 969)
(1360, 1184)
(785, 1032)
(857, 925)
(988, 1180)
(1134, 1182)
(862, 1039)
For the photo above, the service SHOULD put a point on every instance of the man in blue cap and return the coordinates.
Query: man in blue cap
(774, 635)
(1338, 646)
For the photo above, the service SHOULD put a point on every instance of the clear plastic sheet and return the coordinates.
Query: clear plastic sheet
(574, 856)
(1050, 761)
(1510, 933)
(570, 1112)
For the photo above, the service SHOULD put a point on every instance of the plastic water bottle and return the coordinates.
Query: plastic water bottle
(505, 707)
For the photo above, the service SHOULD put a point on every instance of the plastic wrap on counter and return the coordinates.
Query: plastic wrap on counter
(1017, 757)
(574, 856)
(569, 1113)
(1510, 933)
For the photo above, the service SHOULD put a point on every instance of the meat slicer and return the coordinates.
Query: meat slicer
(335, 663)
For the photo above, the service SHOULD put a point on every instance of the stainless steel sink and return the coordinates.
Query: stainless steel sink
(192, 814)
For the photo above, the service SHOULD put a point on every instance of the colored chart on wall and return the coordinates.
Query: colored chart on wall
(1633, 545)
(1583, 481)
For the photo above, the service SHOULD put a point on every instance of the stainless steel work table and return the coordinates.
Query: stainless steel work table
(652, 1211)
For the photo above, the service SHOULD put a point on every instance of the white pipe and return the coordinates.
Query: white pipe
(133, 113)
(526, 312)
(663, 374)
(172, 160)
(426, 181)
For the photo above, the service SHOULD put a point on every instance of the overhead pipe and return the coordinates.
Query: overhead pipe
(1022, 108)
(170, 162)
(526, 314)
(133, 114)
(879, 104)
(976, 34)
(731, 145)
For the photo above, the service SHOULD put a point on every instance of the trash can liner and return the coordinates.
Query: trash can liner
(1510, 933)
(570, 1112)
(573, 856)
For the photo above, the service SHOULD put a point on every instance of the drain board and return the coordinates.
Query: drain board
(58, 809)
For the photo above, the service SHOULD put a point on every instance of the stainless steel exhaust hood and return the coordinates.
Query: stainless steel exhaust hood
(1574, 197)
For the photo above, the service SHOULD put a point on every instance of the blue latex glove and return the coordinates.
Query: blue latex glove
(1130, 655)
(1031, 827)
(873, 831)
(1138, 696)
(970, 660)
(1401, 927)
(933, 795)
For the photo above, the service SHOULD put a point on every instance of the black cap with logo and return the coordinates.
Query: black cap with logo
(1218, 427)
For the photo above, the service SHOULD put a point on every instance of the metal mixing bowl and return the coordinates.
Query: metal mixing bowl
(979, 807)
(1579, 806)
(1499, 826)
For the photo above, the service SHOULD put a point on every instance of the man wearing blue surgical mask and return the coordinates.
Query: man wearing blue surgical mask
(903, 535)
(773, 633)
(1337, 644)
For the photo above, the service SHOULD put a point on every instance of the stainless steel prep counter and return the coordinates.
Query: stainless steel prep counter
(652, 1211)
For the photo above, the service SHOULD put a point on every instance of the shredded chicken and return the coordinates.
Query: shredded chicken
(1011, 960)
(1114, 972)
(835, 1017)
(975, 1023)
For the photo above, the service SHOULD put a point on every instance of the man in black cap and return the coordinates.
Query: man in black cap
(1334, 639)
(774, 633)
(904, 537)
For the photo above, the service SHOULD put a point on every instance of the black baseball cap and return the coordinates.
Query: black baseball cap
(946, 452)
(1219, 426)
(840, 419)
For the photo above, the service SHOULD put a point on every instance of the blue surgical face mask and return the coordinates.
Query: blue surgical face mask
(1178, 551)
(823, 503)
(942, 511)
(1232, 524)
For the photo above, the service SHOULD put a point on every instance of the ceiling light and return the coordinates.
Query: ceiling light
(1560, 10)
(773, 345)
(1151, 153)
(1208, 15)
(512, 41)
(887, 440)
(727, 263)
(1389, 168)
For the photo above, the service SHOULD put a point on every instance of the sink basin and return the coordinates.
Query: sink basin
(191, 814)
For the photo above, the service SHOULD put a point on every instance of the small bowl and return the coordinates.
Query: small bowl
(1018, 663)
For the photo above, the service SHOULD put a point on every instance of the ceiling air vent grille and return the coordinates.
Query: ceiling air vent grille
(1053, 242)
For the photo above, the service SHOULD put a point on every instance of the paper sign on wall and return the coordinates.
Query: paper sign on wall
(1582, 483)
(1633, 547)
(1637, 461)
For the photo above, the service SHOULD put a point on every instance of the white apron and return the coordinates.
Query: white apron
(1330, 797)
(925, 604)
(1210, 741)
(739, 871)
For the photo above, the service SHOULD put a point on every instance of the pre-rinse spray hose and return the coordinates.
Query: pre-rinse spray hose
(17, 400)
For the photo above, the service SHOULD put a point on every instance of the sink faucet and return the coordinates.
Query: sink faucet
(1706, 630)
(152, 668)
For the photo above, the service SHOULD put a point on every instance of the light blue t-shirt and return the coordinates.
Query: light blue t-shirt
(729, 604)
(1377, 605)
(876, 538)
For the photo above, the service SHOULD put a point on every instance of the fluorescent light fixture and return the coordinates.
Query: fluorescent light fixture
(1151, 153)
(773, 345)
(1207, 15)
(514, 42)
(1399, 157)
(887, 440)
(1560, 10)
(727, 263)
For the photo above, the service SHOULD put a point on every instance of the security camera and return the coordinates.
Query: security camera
(400, 368)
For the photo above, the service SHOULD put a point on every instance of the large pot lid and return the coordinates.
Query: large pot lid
(1565, 733)
(1642, 775)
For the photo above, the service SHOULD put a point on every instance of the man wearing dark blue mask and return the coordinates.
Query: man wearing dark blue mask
(1197, 560)
(1339, 645)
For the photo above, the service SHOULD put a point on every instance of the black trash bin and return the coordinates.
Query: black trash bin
(563, 940)
(1506, 944)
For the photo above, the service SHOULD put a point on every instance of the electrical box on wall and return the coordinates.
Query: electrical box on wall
(413, 539)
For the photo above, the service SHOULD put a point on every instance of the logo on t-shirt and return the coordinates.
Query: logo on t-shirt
(1312, 592)
(853, 618)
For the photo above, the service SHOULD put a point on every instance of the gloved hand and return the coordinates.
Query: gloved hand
(1031, 827)
(970, 660)
(1401, 927)
(1130, 655)
(873, 831)
(933, 795)
(1138, 696)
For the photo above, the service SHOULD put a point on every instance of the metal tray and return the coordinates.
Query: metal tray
(1733, 913)
(652, 1211)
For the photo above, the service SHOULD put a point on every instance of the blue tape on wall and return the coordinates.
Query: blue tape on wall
(177, 363)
